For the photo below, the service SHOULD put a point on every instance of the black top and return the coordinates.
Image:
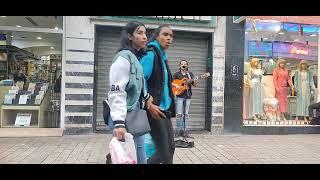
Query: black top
(156, 81)
(188, 93)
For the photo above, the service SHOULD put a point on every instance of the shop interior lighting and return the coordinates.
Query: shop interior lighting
(11, 36)
(39, 37)
(3, 16)
(56, 28)
(18, 26)
(313, 35)
(51, 47)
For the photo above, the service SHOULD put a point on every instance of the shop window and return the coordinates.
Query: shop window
(291, 27)
(280, 74)
(310, 29)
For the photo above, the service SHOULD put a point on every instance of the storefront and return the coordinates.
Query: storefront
(280, 75)
(192, 42)
(30, 75)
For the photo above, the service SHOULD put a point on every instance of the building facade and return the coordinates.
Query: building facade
(90, 43)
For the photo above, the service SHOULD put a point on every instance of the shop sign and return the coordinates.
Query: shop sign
(23, 119)
(293, 19)
(295, 50)
(205, 21)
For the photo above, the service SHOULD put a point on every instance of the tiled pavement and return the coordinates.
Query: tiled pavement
(209, 149)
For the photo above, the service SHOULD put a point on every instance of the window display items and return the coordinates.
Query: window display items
(281, 78)
(271, 109)
(256, 91)
(303, 82)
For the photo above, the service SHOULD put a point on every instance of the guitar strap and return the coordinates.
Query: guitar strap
(188, 74)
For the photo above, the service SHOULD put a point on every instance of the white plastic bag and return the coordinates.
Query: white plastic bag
(123, 152)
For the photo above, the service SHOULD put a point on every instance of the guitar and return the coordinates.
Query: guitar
(185, 82)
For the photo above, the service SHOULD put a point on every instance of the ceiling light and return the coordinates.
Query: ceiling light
(265, 38)
(11, 36)
(281, 32)
(246, 32)
(56, 28)
(39, 37)
(51, 47)
(313, 35)
(18, 26)
(296, 40)
(3, 16)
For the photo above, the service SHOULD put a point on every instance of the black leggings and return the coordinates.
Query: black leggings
(162, 136)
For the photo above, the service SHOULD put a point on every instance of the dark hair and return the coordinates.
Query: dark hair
(125, 42)
(182, 61)
(156, 32)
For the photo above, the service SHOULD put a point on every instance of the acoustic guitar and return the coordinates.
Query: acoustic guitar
(185, 83)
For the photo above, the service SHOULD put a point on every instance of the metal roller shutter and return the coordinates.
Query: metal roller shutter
(108, 42)
(192, 46)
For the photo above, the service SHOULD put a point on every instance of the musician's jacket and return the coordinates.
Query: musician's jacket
(125, 77)
(188, 93)
(158, 77)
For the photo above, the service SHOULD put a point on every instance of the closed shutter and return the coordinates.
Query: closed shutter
(192, 46)
(108, 42)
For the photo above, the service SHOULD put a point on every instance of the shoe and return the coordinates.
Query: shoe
(185, 134)
(108, 157)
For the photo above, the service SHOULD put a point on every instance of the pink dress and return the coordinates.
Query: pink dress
(280, 79)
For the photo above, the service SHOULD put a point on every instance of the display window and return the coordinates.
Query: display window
(30, 73)
(280, 73)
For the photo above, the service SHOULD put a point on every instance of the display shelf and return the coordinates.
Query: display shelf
(13, 126)
(39, 117)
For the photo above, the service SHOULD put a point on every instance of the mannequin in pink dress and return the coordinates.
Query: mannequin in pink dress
(280, 78)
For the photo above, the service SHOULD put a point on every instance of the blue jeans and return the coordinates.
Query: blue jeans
(182, 110)
(139, 144)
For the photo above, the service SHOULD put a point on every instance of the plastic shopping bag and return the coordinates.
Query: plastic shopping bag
(123, 152)
(148, 143)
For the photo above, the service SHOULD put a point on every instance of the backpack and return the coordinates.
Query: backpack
(106, 111)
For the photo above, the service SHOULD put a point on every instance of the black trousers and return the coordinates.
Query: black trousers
(162, 136)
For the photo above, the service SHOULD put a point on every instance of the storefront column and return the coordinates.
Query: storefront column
(218, 67)
(78, 75)
(234, 57)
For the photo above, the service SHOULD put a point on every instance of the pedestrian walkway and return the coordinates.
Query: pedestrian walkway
(209, 149)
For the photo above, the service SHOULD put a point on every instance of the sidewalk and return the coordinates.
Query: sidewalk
(209, 149)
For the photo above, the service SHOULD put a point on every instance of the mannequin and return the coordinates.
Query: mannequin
(303, 81)
(280, 79)
(256, 92)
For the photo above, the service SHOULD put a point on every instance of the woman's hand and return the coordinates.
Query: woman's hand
(119, 133)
